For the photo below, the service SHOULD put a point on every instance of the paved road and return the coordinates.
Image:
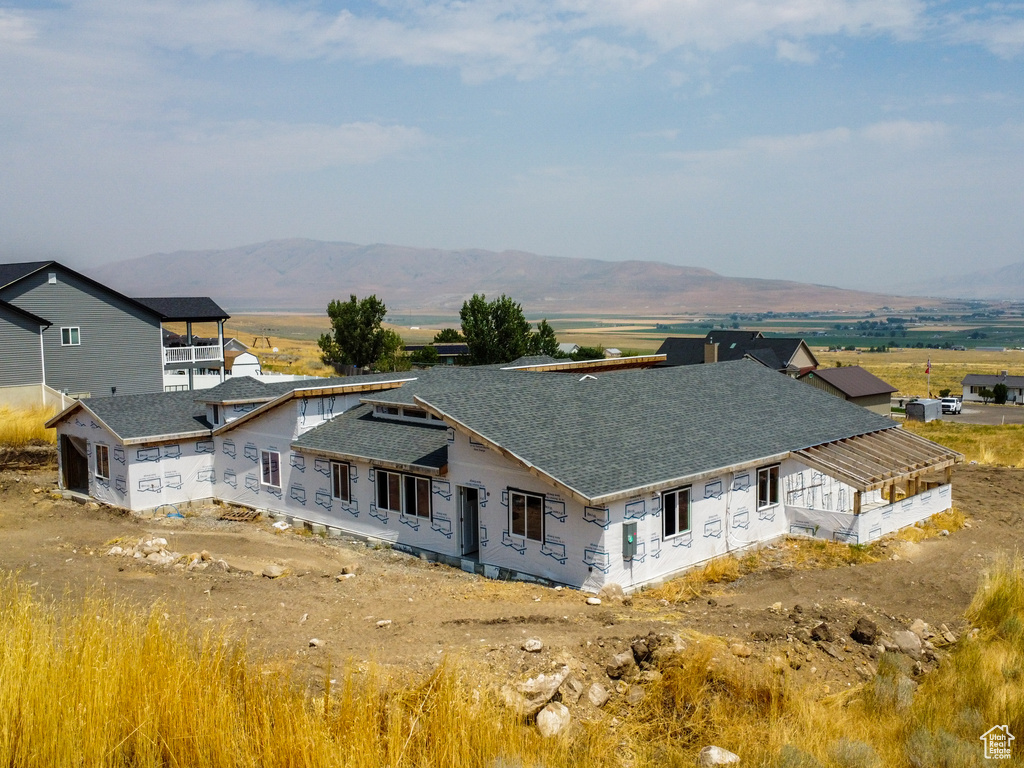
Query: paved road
(979, 413)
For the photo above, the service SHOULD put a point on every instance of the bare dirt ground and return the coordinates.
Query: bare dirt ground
(60, 547)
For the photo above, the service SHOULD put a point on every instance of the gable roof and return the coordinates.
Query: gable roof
(852, 381)
(991, 379)
(144, 418)
(197, 309)
(775, 353)
(180, 308)
(24, 313)
(356, 434)
(608, 436)
(12, 273)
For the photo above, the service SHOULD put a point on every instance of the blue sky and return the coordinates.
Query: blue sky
(847, 142)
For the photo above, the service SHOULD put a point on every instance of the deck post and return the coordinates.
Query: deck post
(856, 502)
(192, 357)
(223, 361)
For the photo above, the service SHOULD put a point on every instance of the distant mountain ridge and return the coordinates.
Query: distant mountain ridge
(999, 283)
(305, 275)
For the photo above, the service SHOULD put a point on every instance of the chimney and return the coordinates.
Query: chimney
(711, 352)
(1004, 374)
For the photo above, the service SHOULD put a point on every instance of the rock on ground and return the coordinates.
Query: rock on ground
(598, 695)
(908, 642)
(613, 592)
(620, 665)
(528, 697)
(711, 756)
(533, 645)
(865, 632)
(553, 719)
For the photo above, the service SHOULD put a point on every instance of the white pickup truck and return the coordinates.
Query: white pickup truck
(951, 405)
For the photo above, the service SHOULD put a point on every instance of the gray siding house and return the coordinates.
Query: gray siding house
(88, 338)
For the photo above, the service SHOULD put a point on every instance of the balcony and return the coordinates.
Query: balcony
(186, 356)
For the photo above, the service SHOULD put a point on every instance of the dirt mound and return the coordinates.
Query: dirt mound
(28, 457)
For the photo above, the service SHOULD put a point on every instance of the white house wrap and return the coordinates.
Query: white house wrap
(627, 476)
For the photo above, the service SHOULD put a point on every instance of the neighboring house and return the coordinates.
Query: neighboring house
(453, 353)
(973, 383)
(786, 355)
(568, 348)
(627, 477)
(70, 334)
(853, 383)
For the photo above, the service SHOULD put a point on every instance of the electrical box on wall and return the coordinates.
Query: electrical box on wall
(628, 541)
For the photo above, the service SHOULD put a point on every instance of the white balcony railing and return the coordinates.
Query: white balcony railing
(189, 355)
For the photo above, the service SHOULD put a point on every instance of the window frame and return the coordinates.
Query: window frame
(675, 493)
(772, 473)
(420, 484)
(336, 467)
(215, 407)
(525, 535)
(102, 467)
(267, 468)
(73, 334)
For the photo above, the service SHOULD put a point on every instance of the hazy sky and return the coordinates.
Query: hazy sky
(838, 141)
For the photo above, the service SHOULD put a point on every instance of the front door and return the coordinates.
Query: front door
(469, 519)
(74, 463)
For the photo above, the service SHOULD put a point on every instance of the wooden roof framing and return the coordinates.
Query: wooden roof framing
(874, 460)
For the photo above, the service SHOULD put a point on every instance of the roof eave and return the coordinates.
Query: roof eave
(375, 460)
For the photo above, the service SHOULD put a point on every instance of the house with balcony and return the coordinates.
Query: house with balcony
(571, 473)
(63, 334)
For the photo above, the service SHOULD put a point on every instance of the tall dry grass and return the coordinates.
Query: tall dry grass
(24, 426)
(1001, 445)
(105, 684)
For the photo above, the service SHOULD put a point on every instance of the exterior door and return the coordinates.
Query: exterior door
(469, 519)
(74, 464)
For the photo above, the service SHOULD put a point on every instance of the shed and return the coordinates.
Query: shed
(853, 383)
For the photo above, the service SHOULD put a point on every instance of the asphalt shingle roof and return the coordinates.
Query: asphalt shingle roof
(12, 273)
(991, 379)
(632, 429)
(357, 433)
(853, 381)
(248, 389)
(195, 308)
(24, 313)
(153, 415)
(732, 345)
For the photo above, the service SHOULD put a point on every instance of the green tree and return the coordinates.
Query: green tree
(357, 337)
(448, 336)
(999, 393)
(495, 331)
(544, 342)
(588, 353)
(986, 394)
(425, 357)
(392, 355)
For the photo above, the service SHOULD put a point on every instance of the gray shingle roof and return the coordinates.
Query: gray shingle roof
(732, 345)
(991, 379)
(24, 313)
(633, 429)
(12, 273)
(248, 389)
(194, 308)
(357, 433)
(853, 381)
(153, 415)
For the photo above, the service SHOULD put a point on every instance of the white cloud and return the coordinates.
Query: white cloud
(905, 132)
(493, 38)
(787, 50)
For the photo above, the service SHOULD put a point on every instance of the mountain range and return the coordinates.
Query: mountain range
(305, 275)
